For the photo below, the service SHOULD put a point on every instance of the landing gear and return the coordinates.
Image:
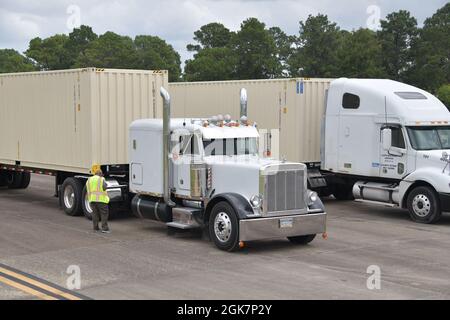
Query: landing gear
(423, 205)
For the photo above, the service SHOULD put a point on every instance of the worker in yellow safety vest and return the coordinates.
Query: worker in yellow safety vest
(98, 199)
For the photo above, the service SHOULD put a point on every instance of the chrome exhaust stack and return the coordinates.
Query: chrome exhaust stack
(166, 145)
(243, 104)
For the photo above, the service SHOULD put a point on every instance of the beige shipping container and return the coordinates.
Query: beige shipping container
(294, 106)
(68, 120)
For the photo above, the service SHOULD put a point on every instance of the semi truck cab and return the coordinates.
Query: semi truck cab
(206, 173)
(390, 142)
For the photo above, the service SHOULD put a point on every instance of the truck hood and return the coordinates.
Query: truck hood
(238, 174)
(432, 158)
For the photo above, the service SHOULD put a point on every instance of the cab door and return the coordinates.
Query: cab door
(188, 153)
(394, 161)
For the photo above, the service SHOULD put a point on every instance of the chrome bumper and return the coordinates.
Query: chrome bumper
(270, 228)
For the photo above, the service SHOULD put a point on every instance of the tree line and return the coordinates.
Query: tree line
(399, 50)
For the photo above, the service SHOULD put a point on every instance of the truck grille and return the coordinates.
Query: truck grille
(285, 191)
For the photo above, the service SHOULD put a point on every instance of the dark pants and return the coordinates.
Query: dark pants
(100, 211)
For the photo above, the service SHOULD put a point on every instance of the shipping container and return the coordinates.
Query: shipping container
(293, 106)
(68, 120)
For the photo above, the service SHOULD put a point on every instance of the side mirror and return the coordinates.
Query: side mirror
(386, 136)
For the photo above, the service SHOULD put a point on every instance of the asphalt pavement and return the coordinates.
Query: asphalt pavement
(140, 260)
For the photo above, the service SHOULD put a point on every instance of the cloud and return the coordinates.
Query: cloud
(176, 20)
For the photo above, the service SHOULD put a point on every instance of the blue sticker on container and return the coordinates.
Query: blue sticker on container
(299, 87)
(375, 165)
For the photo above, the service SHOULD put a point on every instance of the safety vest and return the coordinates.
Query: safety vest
(95, 190)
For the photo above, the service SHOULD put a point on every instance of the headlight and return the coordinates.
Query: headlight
(312, 197)
(256, 201)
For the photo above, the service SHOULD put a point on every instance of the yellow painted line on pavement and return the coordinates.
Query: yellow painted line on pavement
(37, 284)
(26, 289)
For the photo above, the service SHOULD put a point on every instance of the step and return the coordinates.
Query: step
(184, 218)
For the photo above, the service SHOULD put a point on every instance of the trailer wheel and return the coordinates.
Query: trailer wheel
(87, 209)
(343, 191)
(423, 205)
(302, 239)
(3, 178)
(14, 180)
(26, 178)
(224, 227)
(71, 193)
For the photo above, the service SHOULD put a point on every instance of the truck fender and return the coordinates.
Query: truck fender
(433, 177)
(239, 203)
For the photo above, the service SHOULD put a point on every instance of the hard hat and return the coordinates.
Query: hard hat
(95, 167)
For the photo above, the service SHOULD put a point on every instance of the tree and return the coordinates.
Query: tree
(317, 46)
(50, 53)
(431, 52)
(13, 61)
(212, 64)
(359, 55)
(397, 33)
(154, 53)
(212, 35)
(110, 50)
(78, 42)
(255, 49)
(443, 94)
(284, 47)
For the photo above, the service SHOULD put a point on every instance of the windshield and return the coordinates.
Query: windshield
(233, 146)
(429, 138)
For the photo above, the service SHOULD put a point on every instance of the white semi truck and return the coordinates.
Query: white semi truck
(372, 139)
(206, 173)
(188, 173)
(386, 141)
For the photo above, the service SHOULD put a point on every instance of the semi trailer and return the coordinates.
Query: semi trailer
(189, 173)
(368, 139)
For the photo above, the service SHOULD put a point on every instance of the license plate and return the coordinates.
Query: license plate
(286, 223)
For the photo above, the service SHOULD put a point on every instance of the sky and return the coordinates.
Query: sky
(176, 20)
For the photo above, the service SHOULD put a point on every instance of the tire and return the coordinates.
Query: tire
(3, 178)
(343, 192)
(424, 205)
(14, 180)
(26, 178)
(71, 193)
(224, 227)
(302, 239)
(87, 210)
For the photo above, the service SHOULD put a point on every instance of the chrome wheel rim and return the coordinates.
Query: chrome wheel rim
(69, 197)
(87, 204)
(222, 227)
(421, 205)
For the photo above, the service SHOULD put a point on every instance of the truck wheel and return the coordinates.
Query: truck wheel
(302, 239)
(71, 193)
(14, 180)
(343, 191)
(224, 227)
(26, 178)
(423, 205)
(87, 209)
